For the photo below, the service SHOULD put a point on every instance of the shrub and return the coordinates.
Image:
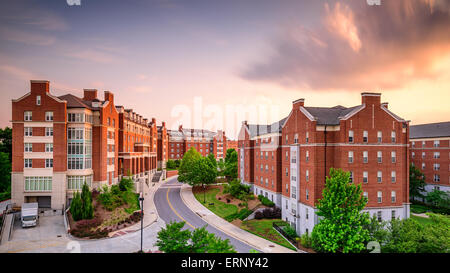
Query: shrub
(244, 213)
(228, 200)
(236, 189)
(126, 184)
(272, 213)
(306, 240)
(259, 215)
(290, 231)
(76, 207)
(265, 201)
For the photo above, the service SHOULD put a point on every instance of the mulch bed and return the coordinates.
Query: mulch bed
(252, 204)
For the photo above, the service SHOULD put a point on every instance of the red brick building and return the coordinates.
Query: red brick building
(204, 141)
(430, 152)
(367, 140)
(61, 143)
(163, 146)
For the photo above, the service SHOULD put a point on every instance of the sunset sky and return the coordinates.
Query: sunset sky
(166, 57)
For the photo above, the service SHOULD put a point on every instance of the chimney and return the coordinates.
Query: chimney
(297, 103)
(368, 98)
(164, 124)
(245, 123)
(109, 96)
(385, 105)
(40, 86)
(90, 94)
(153, 121)
(180, 128)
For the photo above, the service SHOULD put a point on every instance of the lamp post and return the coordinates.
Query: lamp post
(142, 218)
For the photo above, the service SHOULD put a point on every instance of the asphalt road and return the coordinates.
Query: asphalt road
(171, 207)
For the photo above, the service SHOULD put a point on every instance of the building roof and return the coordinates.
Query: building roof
(440, 129)
(74, 101)
(330, 115)
(258, 130)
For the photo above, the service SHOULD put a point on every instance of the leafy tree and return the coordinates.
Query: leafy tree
(171, 164)
(221, 167)
(237, 189)
(6, 141)
(126, 184)
(5, 173)
(377, 230)
(342, 226)
(204, 172)
(185, 171)
(438, 198)
(416, 183)
(173, 239)
(231, 164)
(86, 200)
(76, 207)
(212, 159)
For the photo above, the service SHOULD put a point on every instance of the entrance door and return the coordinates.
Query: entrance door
(44, 201)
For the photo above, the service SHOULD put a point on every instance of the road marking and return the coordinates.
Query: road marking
(170, 204)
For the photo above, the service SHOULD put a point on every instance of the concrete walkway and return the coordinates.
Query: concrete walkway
(228, 228)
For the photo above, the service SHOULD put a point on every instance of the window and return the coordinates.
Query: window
(306, 216)
(307, 137)
(366, 195)
(49, 163)
(28, 147)
(423, 166)
(393, 197)
(48, 116)
(413, 154)
(423, 143)
(436, 143)
(380, 197)
(413, 144)
(38, 100)
(286, 139)
(379, 176)
(393, 215)
(379, 136)
(365, 157)
(350, 136)
(296, 138)
(393, 157)
(350, 157)
(28, 131)
(293, 191)
(351, 177)
(287, 156)
(307, 175)
(28, 163)
(365, 177)
(393, 176)
(379, 216)
(287, 188)
(307, 195)
(287, 172)
(48, 131)
(38, 183)
(437, 178)
(28, 115)
(437, 155)
(436, 166)
(380, 156)
(423, 155)
(307, 156)
(393, 137)
(77, 182)
(365, 136)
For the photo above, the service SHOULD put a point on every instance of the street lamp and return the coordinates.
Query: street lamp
(142, 219)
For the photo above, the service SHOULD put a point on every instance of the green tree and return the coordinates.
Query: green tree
(185, 171)
(171, 165)
(5, 173)
(416, 183)
(86, 201)
(204, 172)
(76, 207)
(6, 141)
(231, 164)
(173, 239)
(438, 198)
(341, 228)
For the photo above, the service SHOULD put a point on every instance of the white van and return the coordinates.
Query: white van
(29, 214)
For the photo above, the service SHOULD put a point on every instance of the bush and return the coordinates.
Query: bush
(238, 190)
(126, 184)
(306, 240)
(290, 231)
(244, 213)
(259, 215)
(272, 213)
(265, 201)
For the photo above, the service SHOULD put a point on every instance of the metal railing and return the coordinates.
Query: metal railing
(278, 226)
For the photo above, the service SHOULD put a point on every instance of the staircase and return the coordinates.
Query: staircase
(157, 177)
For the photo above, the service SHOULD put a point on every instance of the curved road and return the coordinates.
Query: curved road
(171, 207)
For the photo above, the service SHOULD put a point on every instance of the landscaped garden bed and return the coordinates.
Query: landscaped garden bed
(114, 208)
(264, 228)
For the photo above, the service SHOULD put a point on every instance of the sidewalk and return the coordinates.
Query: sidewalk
(150, 212)
(257, 242)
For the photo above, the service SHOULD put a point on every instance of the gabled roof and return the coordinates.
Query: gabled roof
(258, 130)
(74, 101)
(329, 115)
(440, 129)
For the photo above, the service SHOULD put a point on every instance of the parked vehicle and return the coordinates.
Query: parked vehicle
(29, 214)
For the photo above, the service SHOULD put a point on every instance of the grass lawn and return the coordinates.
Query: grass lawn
(264, 229)
(422, 220)
(219, 208)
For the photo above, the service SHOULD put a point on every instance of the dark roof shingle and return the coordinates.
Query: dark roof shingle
(440, 129)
